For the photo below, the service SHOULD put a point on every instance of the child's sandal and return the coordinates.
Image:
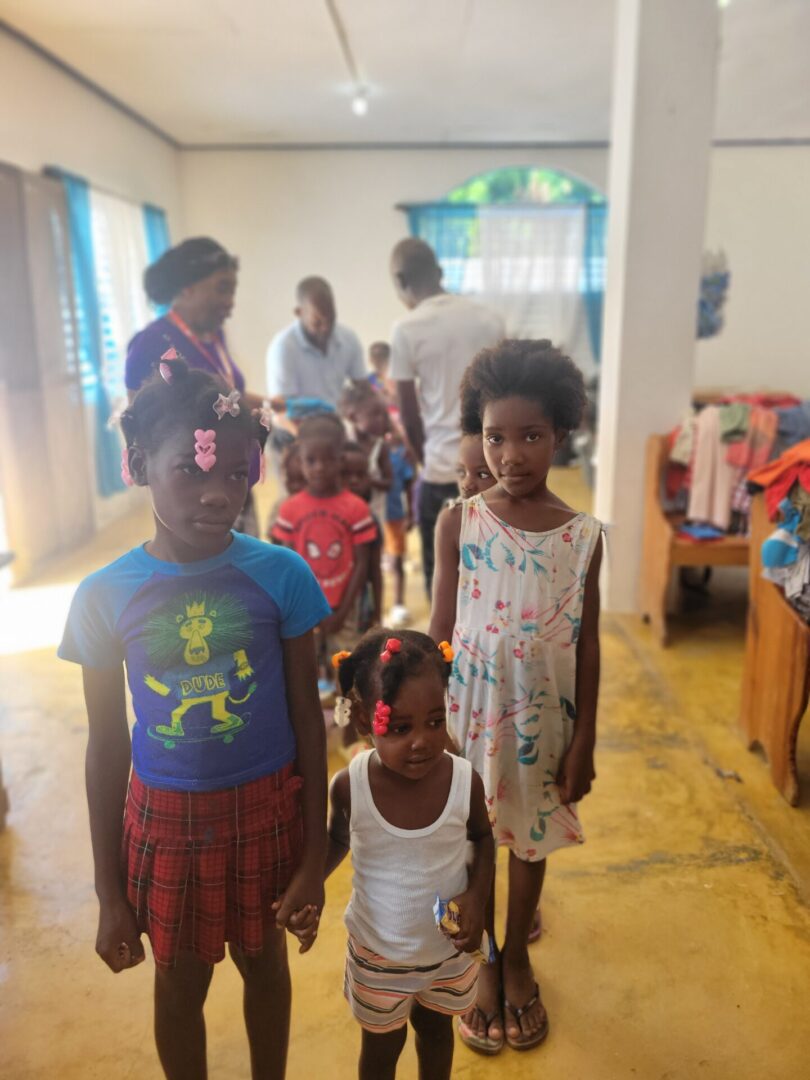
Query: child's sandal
(482, 1044)
(526, 1043)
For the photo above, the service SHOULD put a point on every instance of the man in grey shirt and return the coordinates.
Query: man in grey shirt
(315, 355)
(431, 348)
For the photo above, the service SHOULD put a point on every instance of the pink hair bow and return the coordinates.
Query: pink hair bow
(227, 404)
(206, 449)
(382, 718)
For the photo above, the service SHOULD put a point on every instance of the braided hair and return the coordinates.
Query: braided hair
(186, 400)
(364, 671)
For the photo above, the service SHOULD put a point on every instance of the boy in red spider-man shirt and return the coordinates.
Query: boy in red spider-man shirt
(330, 527)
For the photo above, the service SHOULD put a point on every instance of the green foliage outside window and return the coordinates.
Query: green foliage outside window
(524, 184)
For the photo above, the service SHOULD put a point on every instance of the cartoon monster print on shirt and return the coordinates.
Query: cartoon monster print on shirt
(190, 640)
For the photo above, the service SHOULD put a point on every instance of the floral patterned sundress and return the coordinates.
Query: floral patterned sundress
(513, 683)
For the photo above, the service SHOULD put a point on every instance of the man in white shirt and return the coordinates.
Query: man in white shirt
(315, 355)
(431, 348)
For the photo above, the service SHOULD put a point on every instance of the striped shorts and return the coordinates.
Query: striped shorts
(381, 992)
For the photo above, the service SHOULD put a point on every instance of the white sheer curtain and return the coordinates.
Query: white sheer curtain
(119, 248)
(120, 257)
(529, 268)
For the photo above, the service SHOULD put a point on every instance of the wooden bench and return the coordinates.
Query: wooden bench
(663, 550)
(776, 676)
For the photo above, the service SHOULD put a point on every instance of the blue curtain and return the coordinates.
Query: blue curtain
(451, 229)
(157, 231)
(593, 273)
(88, 320)
(157, 239)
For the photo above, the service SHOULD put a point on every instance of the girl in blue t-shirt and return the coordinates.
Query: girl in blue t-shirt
(224, 809)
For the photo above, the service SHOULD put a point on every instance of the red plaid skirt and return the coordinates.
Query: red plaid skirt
(204, 867)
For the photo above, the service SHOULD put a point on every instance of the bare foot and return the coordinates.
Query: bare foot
(487, 1005)
(525, 1016)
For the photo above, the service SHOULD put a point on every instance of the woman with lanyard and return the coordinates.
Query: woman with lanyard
(198, 279)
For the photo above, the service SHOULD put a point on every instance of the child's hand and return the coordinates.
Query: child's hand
(576, 773)
(470, 921)
(118, 941)
(305, 890)
(304, 925)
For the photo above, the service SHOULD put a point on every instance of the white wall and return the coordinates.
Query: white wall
(48, 118)
(291, 213)
(759, 212)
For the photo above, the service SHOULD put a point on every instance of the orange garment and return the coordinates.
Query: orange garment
(779, 476)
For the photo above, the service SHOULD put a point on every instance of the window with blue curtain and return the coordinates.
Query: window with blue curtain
(89, 332)
(112, 240)
(452, 227)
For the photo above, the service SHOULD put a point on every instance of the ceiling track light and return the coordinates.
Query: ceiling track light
(360, 99)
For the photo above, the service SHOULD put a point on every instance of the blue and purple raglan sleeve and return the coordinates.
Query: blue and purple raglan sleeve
(288, 580)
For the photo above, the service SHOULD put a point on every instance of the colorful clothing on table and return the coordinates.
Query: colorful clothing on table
(800, 500)
(202, 644)
(712, 478)
(794, 425)
(779, 476)
(512, 689)
(734, 419)
(148, 345)
(755, 449)
(325, 532)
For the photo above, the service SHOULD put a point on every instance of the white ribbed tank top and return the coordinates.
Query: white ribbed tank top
(399, 872)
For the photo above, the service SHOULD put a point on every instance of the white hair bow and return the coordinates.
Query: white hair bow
(227, 404)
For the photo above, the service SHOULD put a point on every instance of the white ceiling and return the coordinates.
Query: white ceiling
(271, 71)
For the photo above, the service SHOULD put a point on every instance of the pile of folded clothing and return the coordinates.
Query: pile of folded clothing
(786, 553)
(713, 451)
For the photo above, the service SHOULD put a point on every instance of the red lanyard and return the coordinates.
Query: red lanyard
(220, 362)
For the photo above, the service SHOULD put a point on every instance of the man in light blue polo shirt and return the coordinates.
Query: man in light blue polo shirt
(315, 356)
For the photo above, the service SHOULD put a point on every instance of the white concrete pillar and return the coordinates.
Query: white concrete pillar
(663, 119)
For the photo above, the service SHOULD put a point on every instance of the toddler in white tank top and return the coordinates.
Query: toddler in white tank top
(409, 812)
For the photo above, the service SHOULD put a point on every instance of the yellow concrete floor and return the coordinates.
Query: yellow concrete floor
(677, 940)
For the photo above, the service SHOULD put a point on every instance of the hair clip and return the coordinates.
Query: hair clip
(228, 403)
(343, 712)
(446, 649)
(266, 415)
(339, 657)
(126, 475)
(382, 718)
(206, 449)
(392, 646)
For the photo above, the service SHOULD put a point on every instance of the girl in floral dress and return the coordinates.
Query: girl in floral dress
(517, 587)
